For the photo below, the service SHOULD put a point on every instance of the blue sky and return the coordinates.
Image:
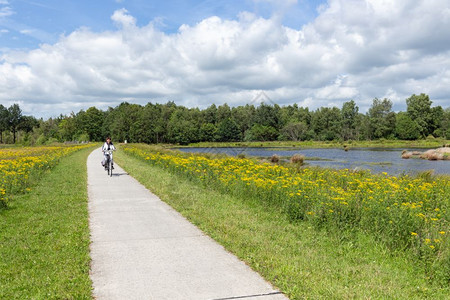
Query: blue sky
(63, 56)
(33, 22)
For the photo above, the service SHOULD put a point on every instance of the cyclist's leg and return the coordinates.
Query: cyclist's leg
(112, 161)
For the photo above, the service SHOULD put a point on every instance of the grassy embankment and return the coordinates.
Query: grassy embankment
(301, 259)
(44, 235)
(428, 143)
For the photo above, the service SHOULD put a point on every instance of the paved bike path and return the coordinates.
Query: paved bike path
(142, 249)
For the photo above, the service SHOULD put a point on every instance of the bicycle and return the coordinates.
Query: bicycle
(109, 162)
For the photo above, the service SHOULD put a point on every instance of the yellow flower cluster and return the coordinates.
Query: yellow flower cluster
(401, 211)
(18, 165)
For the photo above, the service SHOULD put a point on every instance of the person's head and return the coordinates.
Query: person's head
(108, 140)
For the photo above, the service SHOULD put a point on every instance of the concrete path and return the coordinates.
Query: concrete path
(142, 249)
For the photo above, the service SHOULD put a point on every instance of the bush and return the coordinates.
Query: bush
(297, 159)
(41, 140)
(275, 158)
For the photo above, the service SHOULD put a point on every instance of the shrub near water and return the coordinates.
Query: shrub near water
(405, 213)
(19, 166)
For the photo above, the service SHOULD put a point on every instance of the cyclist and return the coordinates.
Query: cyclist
(108, 145)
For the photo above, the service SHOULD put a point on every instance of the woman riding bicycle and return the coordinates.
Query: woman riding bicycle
(107, 146)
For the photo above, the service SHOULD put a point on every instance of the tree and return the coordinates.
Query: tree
(208, 132)
(405, 127)
(267, 115)
(27, 123)
(435, 125)
(295, 131)
(121, 123)
(294, 114)
(244, 116)
(148, 118)
(326, 123)
(4, 121)
(223, 112)
(228, 131)
(181, 128)
(261, 133)
(419, 110)
(67, 128)
(381, 119)
(349, 114)
(445, 124)
(14, 119)
(210, 114)
(93, 124)
(48, 130)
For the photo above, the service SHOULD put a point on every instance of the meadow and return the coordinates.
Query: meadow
(408, 215)
(44, 233)
(21, 166)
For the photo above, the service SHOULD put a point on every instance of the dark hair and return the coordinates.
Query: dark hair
(108, 138)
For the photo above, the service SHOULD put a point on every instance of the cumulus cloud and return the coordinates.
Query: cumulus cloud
(122, 18)
(353, 50)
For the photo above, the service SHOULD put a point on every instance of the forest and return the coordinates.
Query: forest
(175, 124)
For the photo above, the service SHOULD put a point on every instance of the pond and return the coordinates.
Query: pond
(375, 159)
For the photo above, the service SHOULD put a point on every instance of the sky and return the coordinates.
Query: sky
(61, 56)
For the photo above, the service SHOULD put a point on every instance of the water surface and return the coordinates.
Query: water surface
(375, 159)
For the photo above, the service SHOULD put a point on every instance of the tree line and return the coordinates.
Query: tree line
(171, 123)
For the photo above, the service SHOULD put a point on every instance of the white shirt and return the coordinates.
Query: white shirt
(107, 147)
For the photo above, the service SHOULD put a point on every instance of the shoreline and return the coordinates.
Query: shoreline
(424, 144)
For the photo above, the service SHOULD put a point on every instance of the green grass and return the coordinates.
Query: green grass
(301, 261)
(44, 236)
(429, 143)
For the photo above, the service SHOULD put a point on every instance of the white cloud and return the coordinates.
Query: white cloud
(353, 50)
(6, 11)
(122, 18)
(26, 31)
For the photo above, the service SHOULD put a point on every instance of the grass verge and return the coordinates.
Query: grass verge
(44, 236)
(301, 261)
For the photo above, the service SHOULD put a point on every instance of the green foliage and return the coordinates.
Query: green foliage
(208, 132)
(349, 120)
(419, 110)
(14, 117)
(261, 133)
(297, 131)
(91, 122)
(82, 137)
(227, 131)
(182, 128)
(406, 128)
(326, 123)
(170, 123)
(445, 124)
(381, 119)
(41, 140)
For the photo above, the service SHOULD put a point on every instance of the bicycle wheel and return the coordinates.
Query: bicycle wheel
(110, 167)
(107, 165)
